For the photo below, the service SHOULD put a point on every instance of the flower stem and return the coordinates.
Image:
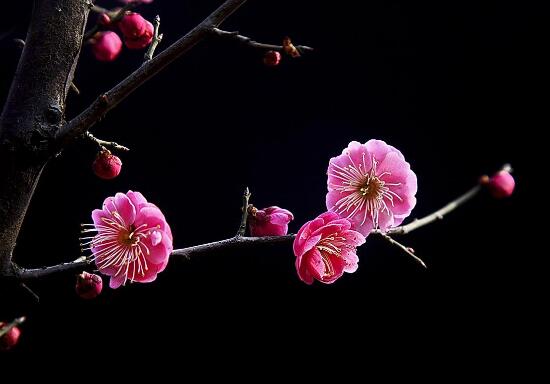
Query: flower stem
(242, 227)
(254, 44)
(403, 248)
(103, 143)
(156, 40)
(14, 323)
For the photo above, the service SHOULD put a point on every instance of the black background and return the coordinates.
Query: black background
(448, 83)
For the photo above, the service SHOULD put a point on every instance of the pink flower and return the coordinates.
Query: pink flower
(502, 184)
(325, 248)
(106, 46)
(372, 185)
(133, 240)
(271, 221)
(88, 285)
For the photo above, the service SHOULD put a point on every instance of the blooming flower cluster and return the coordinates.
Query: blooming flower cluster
(370, 186)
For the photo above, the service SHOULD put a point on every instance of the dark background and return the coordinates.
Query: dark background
(449, 83)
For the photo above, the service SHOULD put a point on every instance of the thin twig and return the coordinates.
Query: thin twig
(103, 143)
(254, 44)
(240, 242)
(246, 198)
(403, 248)
(31, 292)
(150, 68)
(437, 215)
(6, 328)
(156, 40)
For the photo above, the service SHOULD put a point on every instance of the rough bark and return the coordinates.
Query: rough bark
(34, 110)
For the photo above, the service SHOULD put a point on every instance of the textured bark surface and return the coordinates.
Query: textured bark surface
(34, 109)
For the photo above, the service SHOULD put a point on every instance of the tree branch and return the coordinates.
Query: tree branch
(237, 242)
(254, 44)
(148, 69)
(403, 248)
(437, 215)
(241, 242)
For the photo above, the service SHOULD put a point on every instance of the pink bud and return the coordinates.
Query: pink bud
(141, 41)
(106, 165)
(88, 285)
(132, 25)
(106, 46)
(272, 58)
(272, 221)
(10, 339)
(501, 184)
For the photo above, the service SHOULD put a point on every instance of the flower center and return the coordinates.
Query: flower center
(128, 237)
(330, 245)
(373, 188)
(364, 191)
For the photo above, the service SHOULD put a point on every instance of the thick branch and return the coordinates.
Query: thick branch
(150, 68)
(254, 44)
(34, 110)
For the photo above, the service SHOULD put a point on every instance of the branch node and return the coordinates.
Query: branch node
(156, 40)
(242, 227)
(102, 143)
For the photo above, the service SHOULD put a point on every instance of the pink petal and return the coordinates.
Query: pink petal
(152, 217)
(136, 198)
(280, 218)
(303, 273)
(364, 228)
(379, 149)
(125, 208)
(160, 252)
(116, 281)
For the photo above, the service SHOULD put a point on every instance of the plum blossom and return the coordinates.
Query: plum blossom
(325, 248)
(271, 221)
(133, 240)
(372, 185)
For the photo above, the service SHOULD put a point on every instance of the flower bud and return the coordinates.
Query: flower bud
(272, 58)
(106, 165)
(132, 25)
(271, 221)
(88, 285)
(106, 46)
(501, 184)
(10, 339)
(142, 40)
